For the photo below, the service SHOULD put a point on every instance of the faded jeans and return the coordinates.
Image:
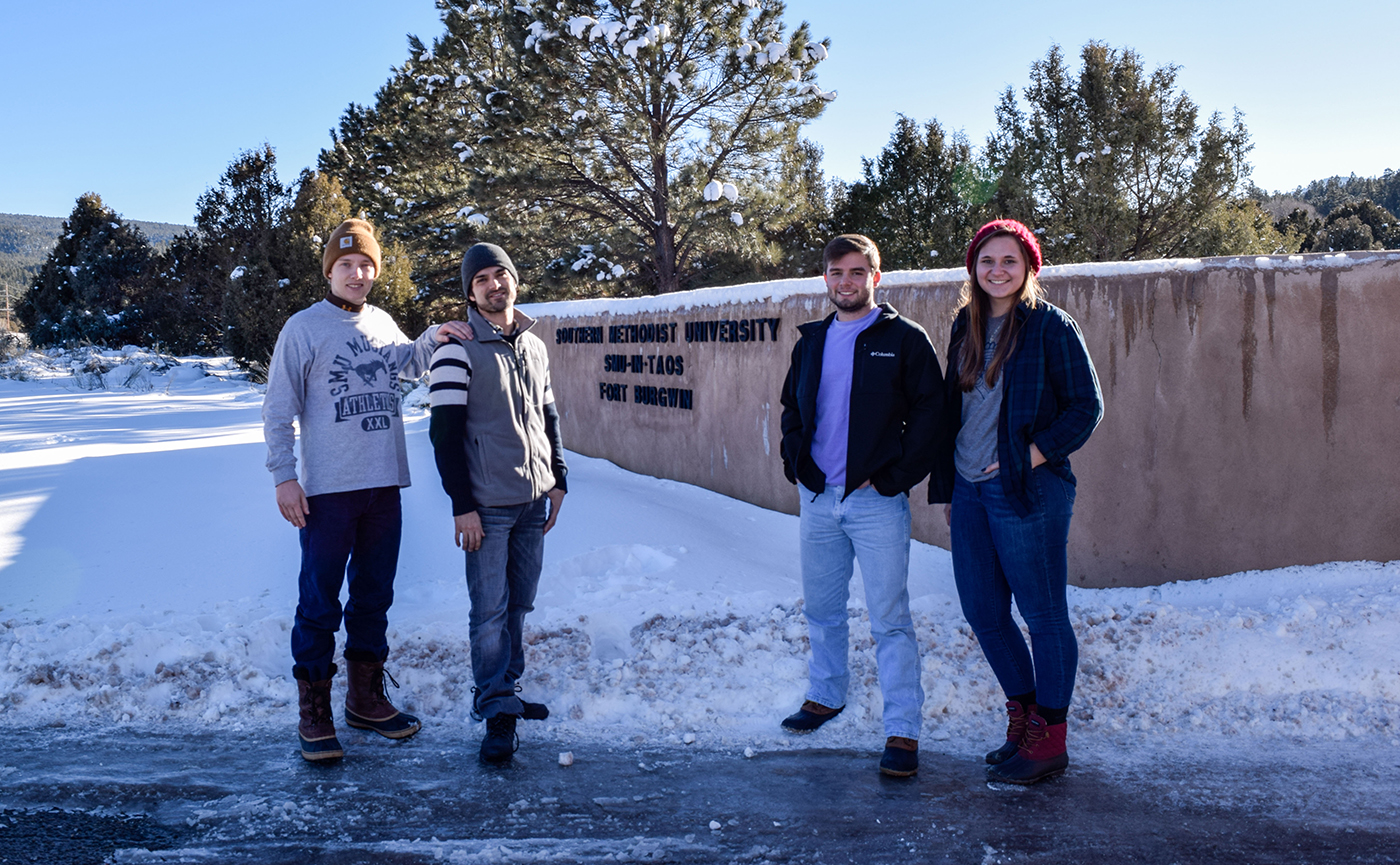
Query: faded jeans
(874, 530)
(999, 555)
(502, 578)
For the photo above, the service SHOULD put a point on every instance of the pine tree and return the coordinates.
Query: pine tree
(1112, 163)
(1238, 227)
(651, 119)
(794, 215)
(397, 167)
(318, 206)
(1359, 225)
(183, 299)
(244, 222)
(88, 288)
(1332, 192)
(921, 199)
(607, 144)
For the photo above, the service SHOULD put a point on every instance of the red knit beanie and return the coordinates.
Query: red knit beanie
(1024, 235)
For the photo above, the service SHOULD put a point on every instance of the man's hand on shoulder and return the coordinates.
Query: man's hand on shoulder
(467, 532)
(459, 329)
(291, 501)
(556, 501)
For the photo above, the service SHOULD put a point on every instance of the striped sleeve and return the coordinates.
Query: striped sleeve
(449, 376)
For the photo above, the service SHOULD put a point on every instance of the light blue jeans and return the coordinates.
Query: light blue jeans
(874, 530)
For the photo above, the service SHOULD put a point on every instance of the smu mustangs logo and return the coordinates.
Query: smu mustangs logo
(369, 372)
(374, 368)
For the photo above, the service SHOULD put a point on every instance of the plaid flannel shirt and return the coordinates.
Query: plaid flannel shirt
(1051, 397)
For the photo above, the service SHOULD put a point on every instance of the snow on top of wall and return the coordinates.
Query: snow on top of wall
(1105, 269)
(776, 291)
(756, 292)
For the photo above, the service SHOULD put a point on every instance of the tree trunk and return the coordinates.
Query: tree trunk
(667, 277)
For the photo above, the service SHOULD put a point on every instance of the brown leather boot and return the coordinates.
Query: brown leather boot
(367, 705)
(901, 757)
(317, 726)
(811, 716)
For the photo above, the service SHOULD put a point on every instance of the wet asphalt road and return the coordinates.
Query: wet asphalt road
(121, 796)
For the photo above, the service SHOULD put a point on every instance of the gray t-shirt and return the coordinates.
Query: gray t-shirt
(981, 411)
(337, 374)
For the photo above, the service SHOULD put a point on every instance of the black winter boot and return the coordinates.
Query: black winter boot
(500, 742)
(530, 711)
(316, 729)
(901, 757)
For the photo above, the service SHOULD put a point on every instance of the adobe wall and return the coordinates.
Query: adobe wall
(1252, 405)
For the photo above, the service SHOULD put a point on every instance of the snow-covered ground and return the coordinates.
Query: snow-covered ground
(146, 579)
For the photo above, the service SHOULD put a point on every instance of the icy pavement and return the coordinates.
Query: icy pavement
(131, 797)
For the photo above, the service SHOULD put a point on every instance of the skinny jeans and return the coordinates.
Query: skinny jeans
(998, 557)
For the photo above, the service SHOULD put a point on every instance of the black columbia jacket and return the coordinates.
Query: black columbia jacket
(896, 405)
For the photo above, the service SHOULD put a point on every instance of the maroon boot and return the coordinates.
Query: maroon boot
(317, 728)
(367, 705)
(1042, 755)
(1016, 716)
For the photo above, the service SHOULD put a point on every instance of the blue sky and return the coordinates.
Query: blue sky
(147, 101)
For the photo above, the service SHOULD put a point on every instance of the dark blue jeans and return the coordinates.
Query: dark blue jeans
(998, 556)
(361, 527)
(502, 578)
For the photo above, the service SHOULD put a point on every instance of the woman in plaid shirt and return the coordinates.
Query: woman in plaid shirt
(1023, 396)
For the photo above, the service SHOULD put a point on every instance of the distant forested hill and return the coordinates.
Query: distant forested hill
(26, 240)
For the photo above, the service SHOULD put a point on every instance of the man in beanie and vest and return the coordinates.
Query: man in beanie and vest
(495, 434)
(335, 370)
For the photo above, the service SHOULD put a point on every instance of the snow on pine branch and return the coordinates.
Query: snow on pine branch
(606, 39)
(715, 189)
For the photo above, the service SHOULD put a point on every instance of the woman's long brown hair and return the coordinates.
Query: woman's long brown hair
(979, 311)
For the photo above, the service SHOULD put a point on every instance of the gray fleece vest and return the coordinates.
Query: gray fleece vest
(508, 453)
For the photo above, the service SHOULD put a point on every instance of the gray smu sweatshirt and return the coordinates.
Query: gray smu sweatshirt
(337, 373)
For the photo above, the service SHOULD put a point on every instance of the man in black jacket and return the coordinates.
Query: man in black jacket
(862, 413)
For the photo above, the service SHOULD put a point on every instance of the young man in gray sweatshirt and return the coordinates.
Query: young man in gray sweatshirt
(335, 370)
(495, 434)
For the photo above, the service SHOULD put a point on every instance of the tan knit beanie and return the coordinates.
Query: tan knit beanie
(352, 235)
